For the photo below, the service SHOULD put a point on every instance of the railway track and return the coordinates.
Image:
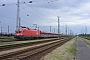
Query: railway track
(14, 46)
(13, 39)
(34, 52)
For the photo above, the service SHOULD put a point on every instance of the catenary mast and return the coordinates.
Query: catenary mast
(18, 15)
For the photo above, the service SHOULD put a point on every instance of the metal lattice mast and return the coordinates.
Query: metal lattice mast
(17, 22)
(58, 28)
(8, 29)
(66, 29)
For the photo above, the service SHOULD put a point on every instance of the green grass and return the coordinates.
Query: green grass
(7, 37)
(56, 57)
(11, 43)
(72, 49)
(87, 41)
(67, 54)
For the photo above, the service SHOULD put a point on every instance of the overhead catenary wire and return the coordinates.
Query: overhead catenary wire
(47, 9)
(44, 7)
(37, 12)
(20, 7)
(34, 10)
(45, 18)
(52, 7)
(11, 2)
(9, 17)
(40, 14)
(29, 11)
(55, 9)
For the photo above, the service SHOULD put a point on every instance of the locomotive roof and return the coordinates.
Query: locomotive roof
(36, 30)
(27, 29)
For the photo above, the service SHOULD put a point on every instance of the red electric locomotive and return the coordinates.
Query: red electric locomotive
(26, 33)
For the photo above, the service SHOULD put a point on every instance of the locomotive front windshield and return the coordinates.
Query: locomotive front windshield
(18, 31)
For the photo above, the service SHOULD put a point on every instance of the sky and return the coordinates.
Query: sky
(74, 15)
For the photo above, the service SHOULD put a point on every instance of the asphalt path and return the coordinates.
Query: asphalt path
(83, 50)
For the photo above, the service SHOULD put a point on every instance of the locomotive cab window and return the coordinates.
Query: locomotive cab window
(18, 31)
(24, 30)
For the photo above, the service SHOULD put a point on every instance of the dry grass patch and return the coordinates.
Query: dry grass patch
(64, 52)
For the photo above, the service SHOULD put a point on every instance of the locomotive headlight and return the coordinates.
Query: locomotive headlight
(21, 34)
(17, 34)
